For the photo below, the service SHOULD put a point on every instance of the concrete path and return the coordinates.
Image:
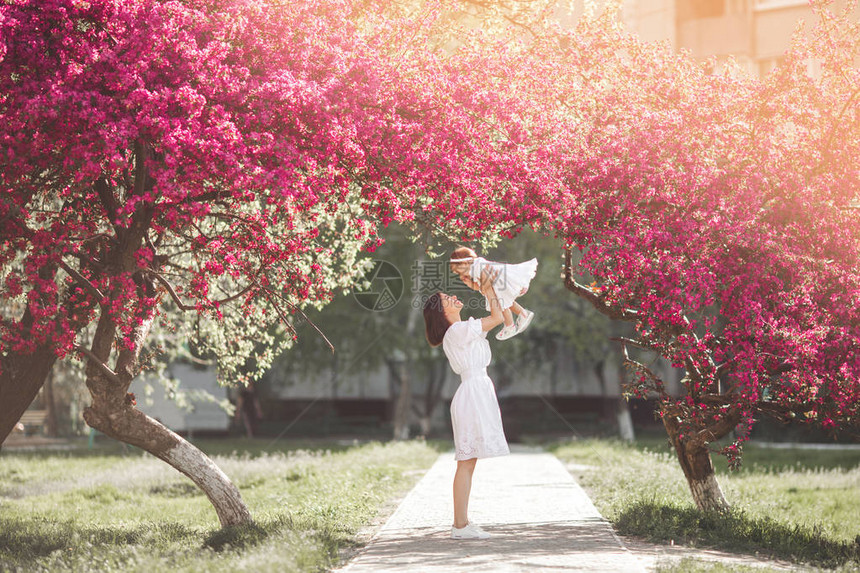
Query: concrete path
(540, 519)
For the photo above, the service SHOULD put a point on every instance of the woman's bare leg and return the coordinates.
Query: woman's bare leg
(462, 488)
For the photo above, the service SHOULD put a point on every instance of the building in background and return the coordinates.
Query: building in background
(556, 397)
(203, 415)
(755, 33)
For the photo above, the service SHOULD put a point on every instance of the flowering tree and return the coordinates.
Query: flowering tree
(227, 158)
(725, 236)
(714, 213)
(219, 158)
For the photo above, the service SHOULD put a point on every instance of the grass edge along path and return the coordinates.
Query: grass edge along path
(309, 508)
(781, 507)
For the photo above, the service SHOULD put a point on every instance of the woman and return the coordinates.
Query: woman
(475, 415)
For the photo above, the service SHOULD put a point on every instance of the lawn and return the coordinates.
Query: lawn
(796, 504)
(114, 510)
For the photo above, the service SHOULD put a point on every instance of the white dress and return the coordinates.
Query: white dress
(512, 281)
(475, 414)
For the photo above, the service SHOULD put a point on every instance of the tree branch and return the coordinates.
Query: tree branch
(633, 342)
(719, 428)
(270, 294)
(83, 281)
(297, 309)
(170, 290)
(128, 358)
(636, 365)
(781, 368)
(139, 167)
(109, 203)
(98, 362)
(183, 306)
(13, 212)
(283, 316)
(591, 296)
(714, 400)
(233, 297)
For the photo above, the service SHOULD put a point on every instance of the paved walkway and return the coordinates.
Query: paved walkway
(540, 519)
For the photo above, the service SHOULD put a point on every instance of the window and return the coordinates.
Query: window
(776, 4)
(698, 9)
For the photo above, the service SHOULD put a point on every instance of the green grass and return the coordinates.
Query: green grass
(115, 510)
(691, 565)
(801, 505)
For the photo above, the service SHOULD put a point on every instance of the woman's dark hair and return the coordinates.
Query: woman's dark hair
(435, 322)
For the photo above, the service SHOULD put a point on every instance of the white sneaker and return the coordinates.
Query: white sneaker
(524, 320)
(471, 531)
(506, 332)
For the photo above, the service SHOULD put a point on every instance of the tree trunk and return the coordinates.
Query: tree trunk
(695, 460)
(121, 421)
(401, 407)
(402, 369)
(21, 379)
(51, 423)
(621, 411)
(113, 413)
(426, 425)
(435, 377)
(555, 366)
(22, 375)
(625, 421)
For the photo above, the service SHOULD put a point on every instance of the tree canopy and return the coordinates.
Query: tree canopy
(229, 158)
(223, 158)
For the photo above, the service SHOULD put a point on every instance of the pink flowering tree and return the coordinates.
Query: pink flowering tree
(714, 213)
(222, 161)
(725, 235)
(201, 171)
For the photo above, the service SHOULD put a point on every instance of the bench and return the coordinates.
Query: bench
(33, 421)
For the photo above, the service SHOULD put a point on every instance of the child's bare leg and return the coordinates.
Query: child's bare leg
(509, 319)
(516, 308)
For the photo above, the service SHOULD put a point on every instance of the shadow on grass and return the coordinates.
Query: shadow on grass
(30, 538)
(26, 541)
(735, 531)
(247, 535)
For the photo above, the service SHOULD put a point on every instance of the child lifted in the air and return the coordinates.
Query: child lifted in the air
(510, 282)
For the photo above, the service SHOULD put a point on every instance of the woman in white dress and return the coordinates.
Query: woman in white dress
(475, 415)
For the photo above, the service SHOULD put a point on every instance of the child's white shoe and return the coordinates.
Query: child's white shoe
(524, 320)
(469, 532)
(506, 332)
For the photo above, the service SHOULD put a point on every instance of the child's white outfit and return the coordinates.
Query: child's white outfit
(512, 281)
(475, 415)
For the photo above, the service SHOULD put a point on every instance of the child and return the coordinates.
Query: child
(511, 282)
